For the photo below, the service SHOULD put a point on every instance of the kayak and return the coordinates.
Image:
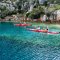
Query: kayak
(23, 24)
(38, 30)
(43, 31)
(53, 32)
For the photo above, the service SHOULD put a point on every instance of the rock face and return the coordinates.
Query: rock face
(8, 5)
(41, 1)
(25, 4)
(58, 14)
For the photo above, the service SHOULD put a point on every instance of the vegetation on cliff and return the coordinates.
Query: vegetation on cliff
(23, 6)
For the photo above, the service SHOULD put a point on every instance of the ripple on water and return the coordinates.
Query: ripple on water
(16, 43)
(11, 49)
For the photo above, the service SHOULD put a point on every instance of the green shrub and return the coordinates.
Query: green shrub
(36, 12)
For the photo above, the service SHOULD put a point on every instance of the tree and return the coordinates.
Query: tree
(36, 12)
(45, 3)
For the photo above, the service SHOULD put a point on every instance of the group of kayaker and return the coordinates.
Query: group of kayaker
(25, 24)
(36, 29)
(40, 28)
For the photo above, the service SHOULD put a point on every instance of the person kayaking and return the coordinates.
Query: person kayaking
(38, 27)
(47, 27)
(24, 22)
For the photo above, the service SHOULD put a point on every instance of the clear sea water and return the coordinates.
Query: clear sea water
(17, 43)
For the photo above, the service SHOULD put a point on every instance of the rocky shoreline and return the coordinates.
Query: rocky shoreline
(18, 19)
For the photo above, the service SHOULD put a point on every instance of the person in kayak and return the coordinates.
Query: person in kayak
(38, 27)
(24, 22)
(47, 27)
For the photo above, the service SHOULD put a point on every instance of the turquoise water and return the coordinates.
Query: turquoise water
(17, 43)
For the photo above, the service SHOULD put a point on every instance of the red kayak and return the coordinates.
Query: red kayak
(53, 32)
(44, 31)
(38, 30)
(23, 24)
